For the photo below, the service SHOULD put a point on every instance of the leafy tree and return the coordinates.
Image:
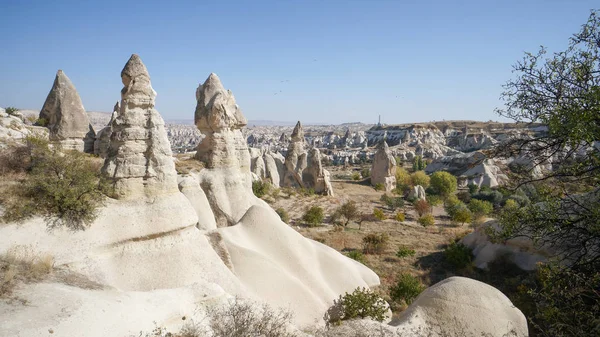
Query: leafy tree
(418, 164)
(561, 91)
(452, 204)
(349, 211)
(473, 188)
(458, 255)
(403, 180)
(420, 178)
(480, 208)
(422, 207)
(406, 289)
(443, 183)
(314, 216)
(462, 215)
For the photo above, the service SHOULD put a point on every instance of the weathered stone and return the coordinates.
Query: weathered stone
(65, 116)
(383, 170)
(139, 160)
(314, 176)
(417, 192)
(295, 159)
(102, 142)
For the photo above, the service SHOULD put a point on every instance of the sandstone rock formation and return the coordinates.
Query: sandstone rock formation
(102, 143)
(383, 170)
(267, 165)
(314, 176)
(295, 159)
(226, 179)
(65, 116)
(417, 192)
(13, 129)
(471, 168)
(139, 160)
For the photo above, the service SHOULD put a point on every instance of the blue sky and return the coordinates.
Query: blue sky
(340, 61)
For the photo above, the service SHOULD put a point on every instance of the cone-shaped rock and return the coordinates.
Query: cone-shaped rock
(102, 142)
(383, 170)
(139, 159)
(295, 159)
(65, 116)
(226, 180)
(314, 176)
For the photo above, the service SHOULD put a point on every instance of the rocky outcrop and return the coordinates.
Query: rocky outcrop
(65, 117)
(383, 170)
(139, 161)
(267, 165)
(226, 179)
(295, 159)
(470, 168)
(314, 176)
(12, 129)
(102, 142)
(417, 193)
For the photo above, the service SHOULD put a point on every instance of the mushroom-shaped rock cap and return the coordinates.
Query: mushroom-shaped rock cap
(136, 80)
(298, 133)
(216, 108)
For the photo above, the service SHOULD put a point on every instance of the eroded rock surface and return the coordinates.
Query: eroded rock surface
(383, 170)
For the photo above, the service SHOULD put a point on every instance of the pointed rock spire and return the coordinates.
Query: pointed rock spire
(65, 115)
(216, 108)
(383, 169)
(298, 133)
(137, 87)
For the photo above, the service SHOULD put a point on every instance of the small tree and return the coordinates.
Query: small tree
(461, 215)
(375, 243)
(452, 204)
(420, 178)
(419, 164)
(403, 180)
(362, 303)
(378, 214)
(406, 289)
(349, 211)
(473, 188)
(422, 207)
(314, 216)
(480, 208)
(426, 220)
(443, 183)
(458, 255)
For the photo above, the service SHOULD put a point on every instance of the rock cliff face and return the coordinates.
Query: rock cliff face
(65, 117)
(295, 159)
(383, 170)
(102, 142)
(314, 176)
(226, 180)
(139, 161)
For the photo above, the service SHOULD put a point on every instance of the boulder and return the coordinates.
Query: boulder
(65, 116)
(418, 193)
(383, 169)
(459, 306)
(139, 161)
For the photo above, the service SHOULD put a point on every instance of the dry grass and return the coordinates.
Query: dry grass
(20, 264)
(428, 243)
(186, 163)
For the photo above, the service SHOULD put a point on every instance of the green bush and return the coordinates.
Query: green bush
(41, 122)
(365, 173)
(452, 204)
(458, 255)
(403, 180)
(426, 220)
(356, 255)
(406, 289)
(473, 188)
(64, 188)
(362, 303)
(392, 202)
(464, 196)
(375, 243)
(443, 183)
(420, 178)
(307, 192)
(405, 252)
(462, 215)
(260, 188)
(434, 200)
(283, 215)
(379, 187)
(349, 211)
(314, 216)
(355, 176)
(400, 217)
(378, 214)
(480, 208)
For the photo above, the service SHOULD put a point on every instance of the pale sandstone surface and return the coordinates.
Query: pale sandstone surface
(383, 169)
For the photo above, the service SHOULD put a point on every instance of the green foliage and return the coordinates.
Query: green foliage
(434, 200)
(406, 289)
(349, 210)
(403, 180)
(306, 192)
(418, 164)
(480, 208)
(458, 255)
(11, 110)
(426, 220)
(494, 197)
(378, 214)
(443, 183)
(283, 215)
(379, 187)
(365, 173)
(405, 252)
(64, 188)
(260, 188)
(462, 215)
(420, 178)
(400, 217)
(375, 243)
(392, 202)
(355, 176)
(464, 196)
(473, 188)
(362, 303)
(422, 207)
(314, 216)
(356, 255)
(452, 204)
(41, 122)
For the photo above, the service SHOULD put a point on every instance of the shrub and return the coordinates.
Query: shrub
(491, 196)
(378, 214)
(379, 187)
(349, 211)
(422, 207)
(473, 188)
(283, 215)
(375, 243)
(314, 216)
(464, 196)
(41, 122)
(405, 252)
(365, 173)
(420, 178)
(522, 200)
(356, 255)
(458, 255)
(362, 303)
(480, 208)
(307, 192)
(64, 188)
(11, 110)
(406, 289)
(392, 202)
(434, 200)
(452, 204)
(426, 220)
(355, 176)
(400, 217)
(403, 180)
(461, 215)
(443, 183)
(260, 188)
